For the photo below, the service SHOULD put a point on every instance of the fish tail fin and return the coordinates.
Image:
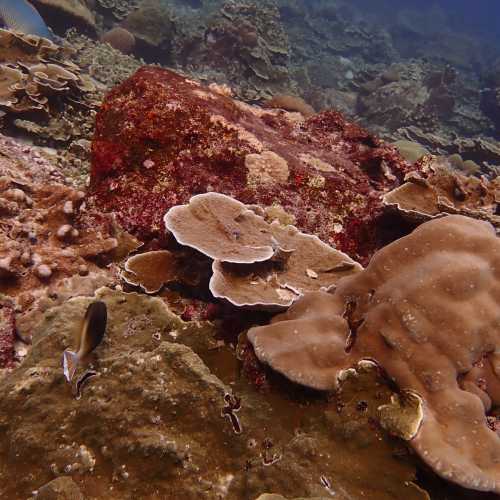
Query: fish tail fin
(70, 363)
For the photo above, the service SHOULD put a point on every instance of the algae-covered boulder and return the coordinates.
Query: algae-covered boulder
(161, 138)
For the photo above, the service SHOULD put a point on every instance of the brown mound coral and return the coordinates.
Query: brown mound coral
(290, 103)
(426, 310)
(256, 263)
(120, 39)
(439, 190)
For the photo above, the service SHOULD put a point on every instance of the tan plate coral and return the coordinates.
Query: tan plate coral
(427, 310)
(256, 263)
(440, 191)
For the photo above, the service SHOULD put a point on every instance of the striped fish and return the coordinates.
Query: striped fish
(21, 16)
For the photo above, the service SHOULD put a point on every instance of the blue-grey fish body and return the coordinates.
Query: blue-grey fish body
(21, 16)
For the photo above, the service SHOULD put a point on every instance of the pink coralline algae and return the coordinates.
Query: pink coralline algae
(161, 138)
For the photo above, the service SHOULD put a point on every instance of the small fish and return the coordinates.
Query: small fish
(88, 338)
(21, 16)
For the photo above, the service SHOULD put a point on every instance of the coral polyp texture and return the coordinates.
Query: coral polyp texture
(161, 138)
(426, 309)
(47, 235)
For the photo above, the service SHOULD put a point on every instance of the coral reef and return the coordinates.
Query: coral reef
(238, 211)
(153, 416)
(151, 24)
(42, 89)
(102, 62)
(119, 8)
(430, 96)
(161, 138)
(46, 233)
(426, 311)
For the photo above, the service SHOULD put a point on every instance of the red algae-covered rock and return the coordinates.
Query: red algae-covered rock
(7, 333)
(161, 138)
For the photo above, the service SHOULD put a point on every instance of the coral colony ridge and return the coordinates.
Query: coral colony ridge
(249, 250)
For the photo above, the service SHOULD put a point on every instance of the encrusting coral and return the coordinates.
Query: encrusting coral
(256, 263)
(426, 311)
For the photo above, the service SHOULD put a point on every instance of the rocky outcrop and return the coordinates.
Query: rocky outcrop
(161, 138)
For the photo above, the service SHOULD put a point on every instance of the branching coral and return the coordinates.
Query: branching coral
(426, 310)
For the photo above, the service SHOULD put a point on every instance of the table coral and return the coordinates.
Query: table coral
(195, 140)
(426, 310)
(440, 190)
(256, 263)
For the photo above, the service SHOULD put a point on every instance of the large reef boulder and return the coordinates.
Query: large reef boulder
(161, 138)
